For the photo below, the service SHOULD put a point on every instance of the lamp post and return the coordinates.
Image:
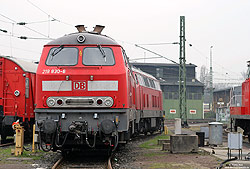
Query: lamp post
(211, 81)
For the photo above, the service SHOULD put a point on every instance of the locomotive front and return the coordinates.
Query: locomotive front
(82, 98)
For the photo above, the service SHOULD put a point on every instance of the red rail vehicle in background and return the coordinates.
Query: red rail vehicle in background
(240, 115)
(148, 101)
(17, 93)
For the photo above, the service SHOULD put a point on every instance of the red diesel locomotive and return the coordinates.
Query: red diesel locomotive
(88, 95)
(17, 85)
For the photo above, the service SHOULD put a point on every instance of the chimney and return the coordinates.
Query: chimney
(98, 29)
(80, 28)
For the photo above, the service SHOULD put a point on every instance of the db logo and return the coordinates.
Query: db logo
(79, 85)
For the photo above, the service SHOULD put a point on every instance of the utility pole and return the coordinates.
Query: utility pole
(182, 75)
(211, 81)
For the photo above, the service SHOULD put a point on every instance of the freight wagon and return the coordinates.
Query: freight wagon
(17, 93)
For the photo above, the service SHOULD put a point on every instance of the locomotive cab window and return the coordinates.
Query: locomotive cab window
(62, 56)
(98, 56)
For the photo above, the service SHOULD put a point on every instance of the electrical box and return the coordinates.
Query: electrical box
(234, 140)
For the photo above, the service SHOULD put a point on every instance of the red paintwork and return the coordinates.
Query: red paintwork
(11, 79)
(129, 94)
(245, 97)
(236, 110)
(148, 98)
(245, 108)
(82, 73)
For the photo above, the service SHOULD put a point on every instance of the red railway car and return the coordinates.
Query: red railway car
(240, 115)
(88, 95)
(17, 85)
(148, 101)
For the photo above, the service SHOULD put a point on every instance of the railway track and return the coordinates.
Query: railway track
(83, 163)
(7, 144)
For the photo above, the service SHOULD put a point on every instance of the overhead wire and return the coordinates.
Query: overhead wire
(164, 43)
(20, 49)
(5, 21)
(12, 21)
(35, 22)
(48, 14)
(203, 55)
(25, 37)
(8, 18)
(145, 58)
(23, 25)
(157, 54)
(37, 7)
(160, 56)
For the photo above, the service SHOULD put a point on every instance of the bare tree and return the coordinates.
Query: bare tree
(204, 76)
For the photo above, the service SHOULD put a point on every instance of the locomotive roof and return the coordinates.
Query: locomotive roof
(26, 66)
(143, 73)
(90, 38)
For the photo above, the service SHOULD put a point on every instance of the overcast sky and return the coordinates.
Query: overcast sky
(223, 24)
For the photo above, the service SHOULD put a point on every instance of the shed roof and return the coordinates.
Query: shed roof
(160, 64)
(196, 83)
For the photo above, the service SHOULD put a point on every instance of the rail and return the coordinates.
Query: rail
(7, 144)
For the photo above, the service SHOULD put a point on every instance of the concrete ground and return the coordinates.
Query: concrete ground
(221, 151)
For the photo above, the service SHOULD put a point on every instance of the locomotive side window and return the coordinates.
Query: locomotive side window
(98, 56)
(146, 81)
(62, 56)
(157, 85)
(141, 82)
(125, 57)
(152, 84)
(136, 79)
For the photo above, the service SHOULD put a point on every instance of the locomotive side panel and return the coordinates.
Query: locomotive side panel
(240, 116)
(245, 97)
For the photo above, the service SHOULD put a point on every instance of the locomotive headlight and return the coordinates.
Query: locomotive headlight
(99, 101)
(59, 101)
(80, 38)
(108, 102)
(51, 102)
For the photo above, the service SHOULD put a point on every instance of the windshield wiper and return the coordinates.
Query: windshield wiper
(56, 51)
(102, 52)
